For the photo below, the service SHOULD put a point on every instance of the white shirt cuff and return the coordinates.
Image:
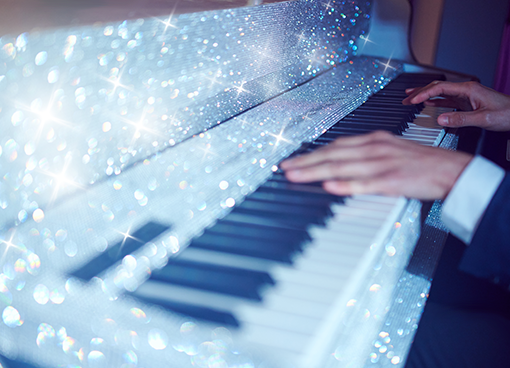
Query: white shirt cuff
(470, 196)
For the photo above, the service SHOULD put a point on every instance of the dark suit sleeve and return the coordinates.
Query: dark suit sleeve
(488, 255)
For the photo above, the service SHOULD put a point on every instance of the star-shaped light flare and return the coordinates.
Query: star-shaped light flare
(44, 115)
(366, 39)
(244, 122)
(213, 79)
(387, 65)
(279, 138)
(328, 5)
(168, 22)
(307, 116)
(207, 151)
(61, 179)
(140, 126)
(127, 236)
(8, 244)
(240, 89)
(117, 83)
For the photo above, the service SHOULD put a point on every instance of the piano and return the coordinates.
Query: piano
(144, 221)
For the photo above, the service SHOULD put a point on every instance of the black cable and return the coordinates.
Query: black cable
(409, 32)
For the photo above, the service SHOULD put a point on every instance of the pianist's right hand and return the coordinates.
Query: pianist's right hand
(482, 106)
(379, 163)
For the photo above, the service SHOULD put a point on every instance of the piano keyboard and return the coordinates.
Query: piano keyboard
(282, 267)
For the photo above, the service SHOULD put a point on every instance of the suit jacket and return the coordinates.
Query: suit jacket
(488, 255)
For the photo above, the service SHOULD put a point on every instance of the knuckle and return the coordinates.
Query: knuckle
(472, 84)
(380, 149)
(473, 87)
(459, 119)
(381, 135)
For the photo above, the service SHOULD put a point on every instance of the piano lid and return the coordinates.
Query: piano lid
(89, 101)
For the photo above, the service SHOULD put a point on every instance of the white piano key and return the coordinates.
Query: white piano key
(345, 228)
(163, 291)
(315, 293)
(346, 244)
(287, 321)
(226, 259)
(340, 210)
(302, 277)
(275, 339)
(345, 218)
(372, 206)
(298, 306)
(416, 131)
(326, 263)
(375, 198)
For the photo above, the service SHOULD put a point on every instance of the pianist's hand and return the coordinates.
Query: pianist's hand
(482, 106)
(379, 163)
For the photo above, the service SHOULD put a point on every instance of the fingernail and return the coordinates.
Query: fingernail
(443, 120)
(409, 90)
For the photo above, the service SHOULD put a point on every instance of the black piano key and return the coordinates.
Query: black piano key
(259, 231)
(294, 187)
(298, 220)
(376, 118)
(284, 197)
(194, 311)
(402, 123)
(284, 209)
(119, 250)
(238, 282)
(375, 104)
(372, 124)
(279, 251)
(282, 179)
(383, 114)
(388, 99)
(339, 130)
(400, 109)
(250, 218)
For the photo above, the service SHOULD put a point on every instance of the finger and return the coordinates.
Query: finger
(341, 148)
(332, 170)
(436, 89)
(385, 185)
(370, 146)
(374, 185)
(462, 119)
(411, 90)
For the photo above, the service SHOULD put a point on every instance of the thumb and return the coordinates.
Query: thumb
(461, 119)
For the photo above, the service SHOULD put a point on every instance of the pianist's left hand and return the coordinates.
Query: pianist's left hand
(379, 163)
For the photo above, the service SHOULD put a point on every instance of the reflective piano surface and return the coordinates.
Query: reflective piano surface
(140, 179)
